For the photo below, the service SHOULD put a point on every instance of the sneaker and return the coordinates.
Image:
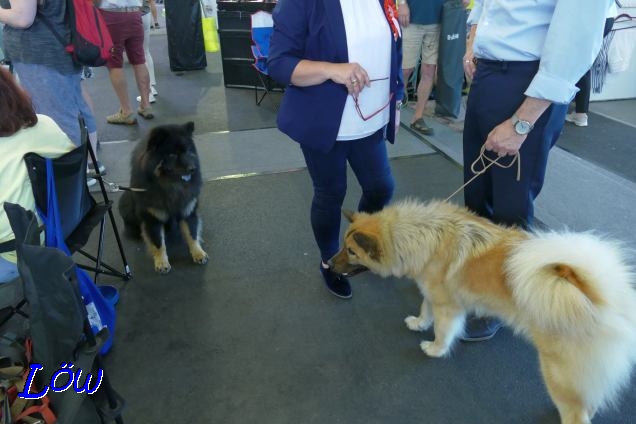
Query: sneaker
(337, 284)
(90, 170)
(151, 98)
(153, 90)
(578, 119)
(90, 182)
(145, 113)
(479, 329)
(120, 119)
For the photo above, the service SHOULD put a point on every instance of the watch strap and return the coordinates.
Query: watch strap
(516, 119)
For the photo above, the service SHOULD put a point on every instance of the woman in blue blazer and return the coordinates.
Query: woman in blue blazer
(341, 63)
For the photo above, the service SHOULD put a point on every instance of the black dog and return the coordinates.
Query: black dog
(165, 183)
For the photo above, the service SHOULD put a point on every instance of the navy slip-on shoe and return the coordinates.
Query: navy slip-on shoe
(337, 284)
(479, 329)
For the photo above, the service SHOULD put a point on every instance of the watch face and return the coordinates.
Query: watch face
(522, 127)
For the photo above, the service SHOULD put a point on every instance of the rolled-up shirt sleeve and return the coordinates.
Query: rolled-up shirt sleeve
(572, 43)
(475, 13)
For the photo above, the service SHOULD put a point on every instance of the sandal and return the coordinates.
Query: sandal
(120, 119)
(420, 126)
(145, 113)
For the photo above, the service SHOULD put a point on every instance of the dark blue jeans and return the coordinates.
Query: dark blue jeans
(370, 163)
(495, 94)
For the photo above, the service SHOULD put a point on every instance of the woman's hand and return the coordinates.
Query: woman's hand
(404, 14)
(352, 75)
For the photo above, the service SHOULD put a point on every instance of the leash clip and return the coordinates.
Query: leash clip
(113, 187)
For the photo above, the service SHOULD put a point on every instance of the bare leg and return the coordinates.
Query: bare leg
(118, 80)
(143, 84)
(424, 88)
(153, 12)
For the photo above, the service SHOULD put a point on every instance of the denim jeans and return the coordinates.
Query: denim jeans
(58, 96)
(369, 161)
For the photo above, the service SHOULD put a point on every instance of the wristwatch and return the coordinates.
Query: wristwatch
(521, 127)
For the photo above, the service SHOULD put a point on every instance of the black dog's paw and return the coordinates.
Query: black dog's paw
(162, 266)
(199, 256)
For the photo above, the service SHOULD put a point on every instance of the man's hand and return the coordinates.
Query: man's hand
(404, 14)
(504, 140)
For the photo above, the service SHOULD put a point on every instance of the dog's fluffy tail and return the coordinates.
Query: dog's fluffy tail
(578, 289)
(569, 281)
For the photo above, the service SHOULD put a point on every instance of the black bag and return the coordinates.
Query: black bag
(186, 49)
(450, 69)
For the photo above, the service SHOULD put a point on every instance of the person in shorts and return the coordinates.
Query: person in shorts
(123, 18)
(420, 20)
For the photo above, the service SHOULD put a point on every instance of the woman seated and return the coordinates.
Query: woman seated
(21, 131)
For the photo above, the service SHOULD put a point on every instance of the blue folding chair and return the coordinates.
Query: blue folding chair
(262, 26)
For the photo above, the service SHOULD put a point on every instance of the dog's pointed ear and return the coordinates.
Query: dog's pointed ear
(369, 243)
(349, 214)
(189, 127)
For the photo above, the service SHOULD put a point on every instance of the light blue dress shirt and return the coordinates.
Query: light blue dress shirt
(564, 35)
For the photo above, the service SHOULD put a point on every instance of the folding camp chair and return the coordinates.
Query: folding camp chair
(79, 211)
(261, 27)
(59, 326)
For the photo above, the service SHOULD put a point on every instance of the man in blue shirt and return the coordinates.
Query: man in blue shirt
(420, 20)
(524, 58)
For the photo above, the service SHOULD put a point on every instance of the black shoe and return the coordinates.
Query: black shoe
(479, 329)
(336, 283)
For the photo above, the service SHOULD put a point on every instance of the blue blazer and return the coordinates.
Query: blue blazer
(314, 30)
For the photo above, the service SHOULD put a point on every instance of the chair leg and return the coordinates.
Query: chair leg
(126, 274)
(265, 87)
(120, 245)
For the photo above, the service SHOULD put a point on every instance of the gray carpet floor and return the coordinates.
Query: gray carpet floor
(605, 142)
(253, 336)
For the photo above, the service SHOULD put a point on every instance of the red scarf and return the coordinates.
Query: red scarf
(390, 11)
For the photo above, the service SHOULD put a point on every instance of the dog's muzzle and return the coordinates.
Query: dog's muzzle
(340, 265)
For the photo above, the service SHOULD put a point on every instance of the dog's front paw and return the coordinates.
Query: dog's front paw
(199, 256)
(433, 350)
(162, 266)
(417, 323)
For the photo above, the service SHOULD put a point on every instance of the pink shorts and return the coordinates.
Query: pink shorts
(127, 32)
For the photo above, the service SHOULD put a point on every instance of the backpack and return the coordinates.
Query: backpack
(90, 44)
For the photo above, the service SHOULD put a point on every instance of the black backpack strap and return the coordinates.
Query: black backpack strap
(49, 25)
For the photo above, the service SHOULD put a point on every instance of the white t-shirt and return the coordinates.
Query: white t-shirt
(45, 139)
(116, 4)
(368, 44)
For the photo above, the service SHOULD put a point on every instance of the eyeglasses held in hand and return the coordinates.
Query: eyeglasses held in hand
(357, 105)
